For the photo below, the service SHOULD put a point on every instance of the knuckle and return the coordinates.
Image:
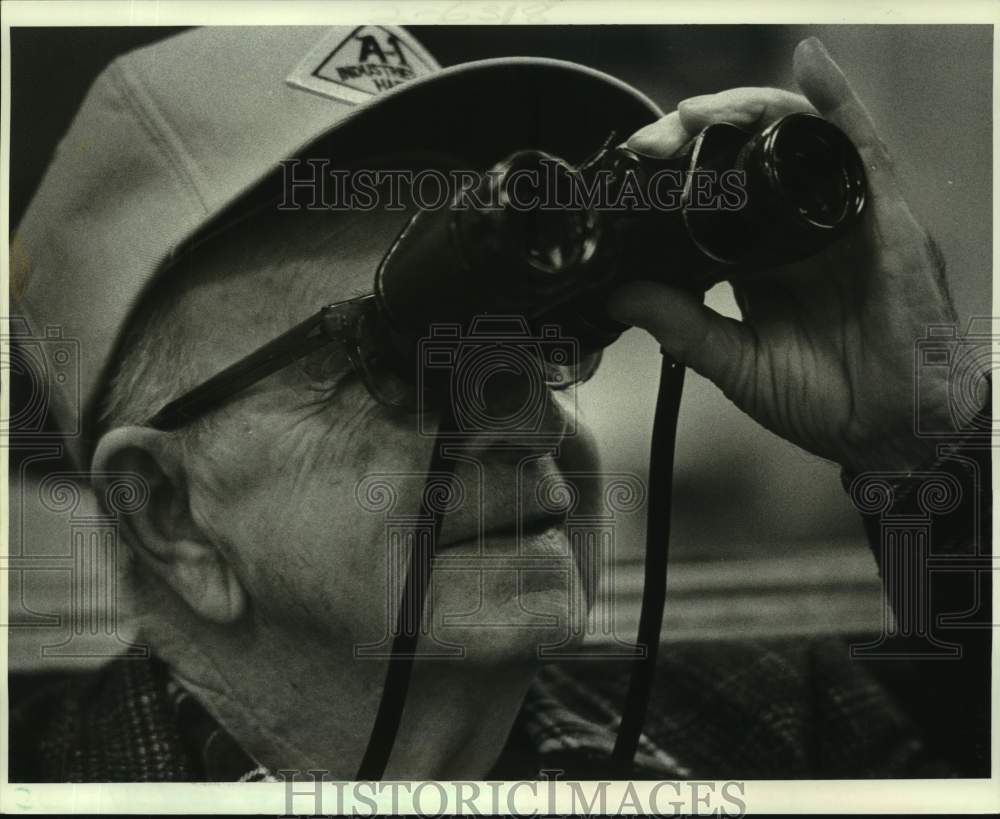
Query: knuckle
(793, 101)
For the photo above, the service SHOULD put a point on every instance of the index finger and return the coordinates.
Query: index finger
(748, 107)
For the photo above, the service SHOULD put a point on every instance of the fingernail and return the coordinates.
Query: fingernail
(817, 44)
(819, 77)
(661, 138)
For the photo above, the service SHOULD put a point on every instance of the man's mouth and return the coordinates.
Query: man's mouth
(510, 532)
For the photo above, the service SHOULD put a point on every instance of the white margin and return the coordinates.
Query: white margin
(794, 797)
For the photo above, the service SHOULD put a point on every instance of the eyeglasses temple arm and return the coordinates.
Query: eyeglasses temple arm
(286, 348)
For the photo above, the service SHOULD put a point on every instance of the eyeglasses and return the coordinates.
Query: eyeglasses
(405, 383)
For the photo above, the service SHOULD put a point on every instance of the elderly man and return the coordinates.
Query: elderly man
(255, 574)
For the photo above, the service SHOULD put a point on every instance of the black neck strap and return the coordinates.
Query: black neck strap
(661, 468)
(654, 588)
(411, 607)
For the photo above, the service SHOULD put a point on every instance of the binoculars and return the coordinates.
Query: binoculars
(539, 238)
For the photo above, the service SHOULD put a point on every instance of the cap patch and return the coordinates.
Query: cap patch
(355, 68)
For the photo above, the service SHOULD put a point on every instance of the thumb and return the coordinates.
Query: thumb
(826, 87)
(717, 347)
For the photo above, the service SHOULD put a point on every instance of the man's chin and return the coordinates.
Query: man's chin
(505, 600)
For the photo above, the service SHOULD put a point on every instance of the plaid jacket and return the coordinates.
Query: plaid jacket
(736, 710)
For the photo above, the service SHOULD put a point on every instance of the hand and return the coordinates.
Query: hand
(824, 355)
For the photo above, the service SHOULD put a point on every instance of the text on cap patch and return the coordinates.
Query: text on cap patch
(355, 68)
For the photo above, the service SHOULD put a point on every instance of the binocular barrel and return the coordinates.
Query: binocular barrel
(548, 241)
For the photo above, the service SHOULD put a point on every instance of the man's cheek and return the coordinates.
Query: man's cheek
(329, 544)
(341, 557)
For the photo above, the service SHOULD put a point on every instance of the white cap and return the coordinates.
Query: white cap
(171, 136)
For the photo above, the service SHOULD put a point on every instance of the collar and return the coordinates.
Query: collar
(562, 723)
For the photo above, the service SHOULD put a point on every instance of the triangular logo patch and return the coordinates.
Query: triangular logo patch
(355, 68)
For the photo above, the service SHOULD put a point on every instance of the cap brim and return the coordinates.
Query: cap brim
(487, 108)
(479, 111)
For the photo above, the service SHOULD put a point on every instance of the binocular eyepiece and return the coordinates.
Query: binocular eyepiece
(542, 239)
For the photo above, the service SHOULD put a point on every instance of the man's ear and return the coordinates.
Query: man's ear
(163, 533)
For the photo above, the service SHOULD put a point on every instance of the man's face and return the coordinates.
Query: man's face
(313, 488)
